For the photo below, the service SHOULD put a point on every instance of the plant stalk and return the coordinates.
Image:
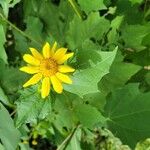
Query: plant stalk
(17, 29)
(65, 143)
(76, 9)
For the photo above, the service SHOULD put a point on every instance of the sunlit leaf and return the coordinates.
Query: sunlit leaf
(85, 81)
(91, 5)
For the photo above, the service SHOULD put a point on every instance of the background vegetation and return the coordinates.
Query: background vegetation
(108, 105)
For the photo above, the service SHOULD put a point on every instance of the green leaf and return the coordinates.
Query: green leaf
(136, 34)
(9, 81)
(136, 57)
(147, 78)
(3, 97)
(146, 40)
(2, 147)
(75, 141)
(30, 8)
(6, 4)
(136, 1)
(3, 54)
(31, 106)
(143, 145)
(34, 28)
(9, 134)
(24, 147)
(58, 26)
(85, 81)
(62, 108)
(95, 99)
(91, 5)
(113, 35)
(21, 44)
(120, 73)
(79, 31)
(131, 13)
(88, 115)
(128, 114)
(13, 3)
(88, 53)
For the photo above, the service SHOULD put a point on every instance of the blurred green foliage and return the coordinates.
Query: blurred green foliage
(108, 105)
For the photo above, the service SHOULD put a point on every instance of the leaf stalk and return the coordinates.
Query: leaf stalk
(17, 29)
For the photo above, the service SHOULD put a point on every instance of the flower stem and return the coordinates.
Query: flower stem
(76, 9)
(13, 112)
(17, 29)
(145, 6)
(65, 143)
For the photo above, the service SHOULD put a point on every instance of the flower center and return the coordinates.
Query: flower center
(48, 67)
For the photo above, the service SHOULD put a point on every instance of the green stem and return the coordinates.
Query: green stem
(76, 9)
(145, 6)
(13, 112)
(65, 143)
(17, 29)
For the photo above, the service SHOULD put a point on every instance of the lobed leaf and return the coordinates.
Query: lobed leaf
(85, 81)
(31, 107)
(9, 135)
(127, 110)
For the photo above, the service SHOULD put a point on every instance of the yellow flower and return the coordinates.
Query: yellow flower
(49, 68)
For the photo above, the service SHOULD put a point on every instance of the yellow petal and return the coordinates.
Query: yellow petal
(64, 78)
(46, 50)
(60, 53)
(54, 48)
(36, 54)
(65, 69)
(35, 79)
(31, 60)
(29, 69)
(45, 87)
(64, 58)
(56, 84)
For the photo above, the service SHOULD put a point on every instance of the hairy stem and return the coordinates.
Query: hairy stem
(17, 29)
(67, 140)
(76, 9)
